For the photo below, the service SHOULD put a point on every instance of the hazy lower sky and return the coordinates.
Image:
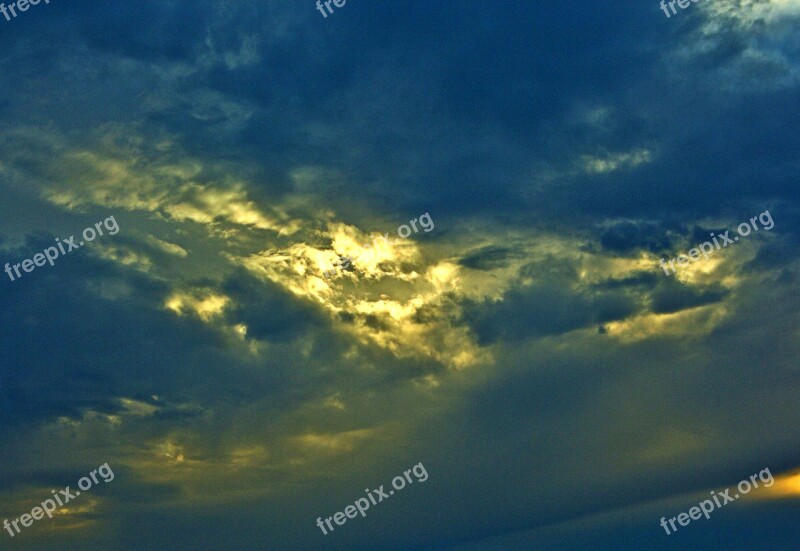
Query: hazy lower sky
(524, 344)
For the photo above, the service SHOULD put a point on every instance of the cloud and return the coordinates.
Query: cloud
(529, 347)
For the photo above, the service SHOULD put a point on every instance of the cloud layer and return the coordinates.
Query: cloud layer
(561, 390)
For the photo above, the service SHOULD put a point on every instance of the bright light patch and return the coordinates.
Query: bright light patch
(204, 307)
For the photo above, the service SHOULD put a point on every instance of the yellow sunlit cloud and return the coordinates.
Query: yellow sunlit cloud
(205, 307)
(389, 286)
(167, 247)
(692, 322)
(167, 188)
(786, 486)
(333, 443)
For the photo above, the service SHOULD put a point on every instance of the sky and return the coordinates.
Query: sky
(508, 183)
